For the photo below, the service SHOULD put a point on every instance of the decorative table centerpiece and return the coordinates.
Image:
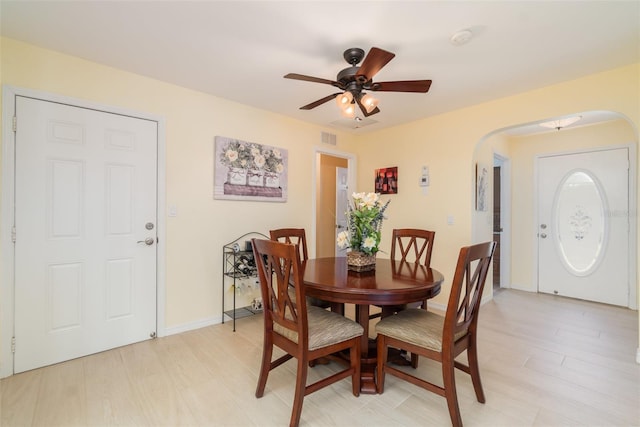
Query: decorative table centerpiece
(364, 225)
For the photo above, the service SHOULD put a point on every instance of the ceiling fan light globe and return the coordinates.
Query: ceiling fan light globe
(349, 111)
(369, 102)
(344, 99)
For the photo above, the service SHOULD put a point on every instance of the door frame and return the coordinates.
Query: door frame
(505, 218)
(337, 248)
(351, 182)
(7, 210)
(632, 247)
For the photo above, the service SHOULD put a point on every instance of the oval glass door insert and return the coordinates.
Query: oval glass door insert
(581, 223)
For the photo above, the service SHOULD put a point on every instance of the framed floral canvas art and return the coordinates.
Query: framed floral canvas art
(249, 171)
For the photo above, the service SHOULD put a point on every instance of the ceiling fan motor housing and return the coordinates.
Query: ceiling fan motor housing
(348, 75)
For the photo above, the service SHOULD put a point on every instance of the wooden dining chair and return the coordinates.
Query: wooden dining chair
(409, 245)
(413, 245)
(303, 332)
(442, 338)
(297, 237)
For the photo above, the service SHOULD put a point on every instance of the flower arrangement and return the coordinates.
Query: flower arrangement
(364, 224)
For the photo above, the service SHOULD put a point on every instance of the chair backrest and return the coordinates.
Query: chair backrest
(405, 239)
(466, 291)
(278, 265)
(296, 236)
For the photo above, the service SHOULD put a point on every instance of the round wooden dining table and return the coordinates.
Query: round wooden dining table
(392, 283)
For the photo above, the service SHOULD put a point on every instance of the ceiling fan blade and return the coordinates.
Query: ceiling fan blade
(402, 86)
(373, 62)
(295, 76)
(364, 110)
(320, 101)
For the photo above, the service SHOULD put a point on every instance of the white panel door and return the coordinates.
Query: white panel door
(342, 204)
(583, 234)
(85, 195)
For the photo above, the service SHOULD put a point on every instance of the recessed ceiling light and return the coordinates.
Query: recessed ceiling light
(461, 37)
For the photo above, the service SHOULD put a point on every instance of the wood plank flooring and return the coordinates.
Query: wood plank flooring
(544, 361)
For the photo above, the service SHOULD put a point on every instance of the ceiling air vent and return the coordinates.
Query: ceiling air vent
(328, 138)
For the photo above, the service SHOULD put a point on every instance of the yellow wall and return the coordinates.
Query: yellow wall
(449, 144)
(203, 225)
(446, 143)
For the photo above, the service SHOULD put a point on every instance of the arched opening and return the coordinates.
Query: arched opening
(517, 149)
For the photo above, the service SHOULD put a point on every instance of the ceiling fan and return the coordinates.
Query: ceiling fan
(355, 80)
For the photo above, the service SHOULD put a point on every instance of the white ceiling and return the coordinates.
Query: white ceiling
(240, 50)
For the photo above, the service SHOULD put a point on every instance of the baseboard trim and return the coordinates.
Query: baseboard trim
(185, 327)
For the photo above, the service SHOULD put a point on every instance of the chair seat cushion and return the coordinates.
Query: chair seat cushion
(416, 326)
(325, 328)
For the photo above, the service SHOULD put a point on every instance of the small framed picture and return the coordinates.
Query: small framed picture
(386, 180)
(482, 183)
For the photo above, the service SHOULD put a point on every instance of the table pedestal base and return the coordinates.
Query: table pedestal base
(368, 371)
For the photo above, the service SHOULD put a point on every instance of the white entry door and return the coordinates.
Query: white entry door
(85, 202)
(342, 204)
(583, 230)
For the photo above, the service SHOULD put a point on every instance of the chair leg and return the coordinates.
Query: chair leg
(267, 353)
(298, 398)
(449, 380)
(354, 358)
(382, 361)
(414, 357)
(414, 360)
(474, 370)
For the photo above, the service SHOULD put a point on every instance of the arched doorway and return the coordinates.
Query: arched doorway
(521, 145)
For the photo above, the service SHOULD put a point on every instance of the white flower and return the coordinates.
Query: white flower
(343, 239)
(369, 200)
(369, 243)
(280, 168)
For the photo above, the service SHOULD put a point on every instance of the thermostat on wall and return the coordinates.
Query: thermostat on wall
(424, 178)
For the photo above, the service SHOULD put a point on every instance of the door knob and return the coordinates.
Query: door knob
(543, 235)
(148, 241)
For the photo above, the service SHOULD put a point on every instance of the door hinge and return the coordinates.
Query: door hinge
(13, 344)
(13, 234)
(15, 123)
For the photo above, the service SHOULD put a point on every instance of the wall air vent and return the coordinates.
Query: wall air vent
(328, 138)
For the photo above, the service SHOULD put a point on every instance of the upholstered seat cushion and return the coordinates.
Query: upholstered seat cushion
(325, 328)
(416, 326)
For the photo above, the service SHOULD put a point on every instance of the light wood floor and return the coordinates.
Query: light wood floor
(544, 361)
